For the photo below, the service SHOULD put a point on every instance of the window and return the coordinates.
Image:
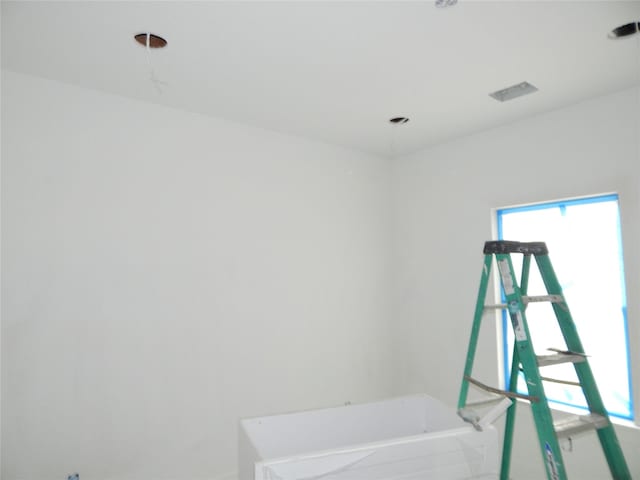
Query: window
(585, 248)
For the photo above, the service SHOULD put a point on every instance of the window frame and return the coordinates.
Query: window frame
(505, 347)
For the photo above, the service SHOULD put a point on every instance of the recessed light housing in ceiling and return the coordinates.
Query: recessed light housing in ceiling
(514, 91)
(625, 30)
(154, 41)
(398, 120)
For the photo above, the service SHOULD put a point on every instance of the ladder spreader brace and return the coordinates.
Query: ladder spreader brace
(526, 361)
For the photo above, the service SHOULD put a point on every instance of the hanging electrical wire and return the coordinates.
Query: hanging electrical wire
(149, 41)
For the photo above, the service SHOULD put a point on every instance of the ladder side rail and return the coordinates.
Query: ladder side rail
(507, 443)
(510, 422)
(524, 279)
(607, 436)
(475, 330)
(548, 442)
(570, 333)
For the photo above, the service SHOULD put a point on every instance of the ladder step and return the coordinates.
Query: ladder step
(542, 298)
(576, 424)
(559, 358)
(530, 299)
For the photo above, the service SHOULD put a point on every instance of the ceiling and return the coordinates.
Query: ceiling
(334, 71)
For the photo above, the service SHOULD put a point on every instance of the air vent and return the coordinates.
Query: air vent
(514, 91)
(445, 3)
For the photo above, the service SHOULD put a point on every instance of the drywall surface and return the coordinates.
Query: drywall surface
(166, 273)
(443, 204)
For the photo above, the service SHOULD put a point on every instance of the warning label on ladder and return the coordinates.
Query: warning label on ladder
(518, 324)
(505, 273)
(551, 463)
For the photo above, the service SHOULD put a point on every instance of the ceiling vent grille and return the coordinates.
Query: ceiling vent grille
(445, 3)
(514, 91)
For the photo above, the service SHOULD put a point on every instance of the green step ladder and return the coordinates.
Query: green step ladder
(525, 360)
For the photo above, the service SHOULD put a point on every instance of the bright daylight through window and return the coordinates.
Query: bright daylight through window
(585, 246)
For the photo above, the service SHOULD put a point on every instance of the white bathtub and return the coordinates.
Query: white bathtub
(406, 438)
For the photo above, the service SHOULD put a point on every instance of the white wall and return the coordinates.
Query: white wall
(443, 204)
(165, 273)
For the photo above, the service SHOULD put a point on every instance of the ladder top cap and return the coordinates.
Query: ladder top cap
(526, 248)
